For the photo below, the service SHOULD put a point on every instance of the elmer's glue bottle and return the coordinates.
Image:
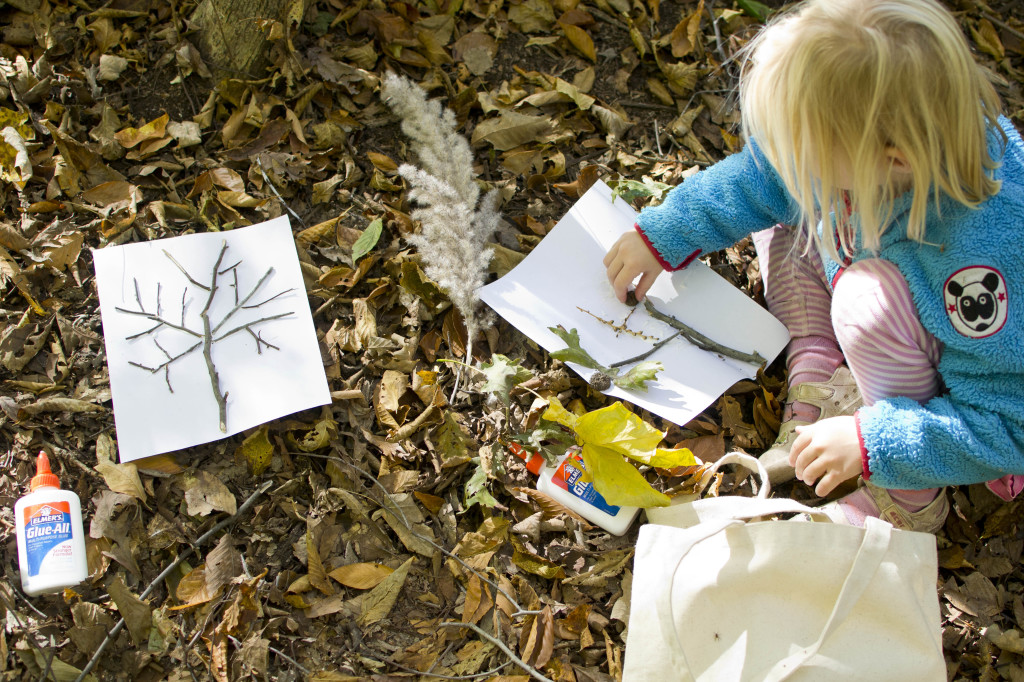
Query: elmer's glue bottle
(51, 546)
(564, 483)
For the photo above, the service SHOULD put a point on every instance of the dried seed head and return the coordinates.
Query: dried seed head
(631, 298)
(600, 382)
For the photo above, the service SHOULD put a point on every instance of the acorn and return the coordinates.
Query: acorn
(600, 382)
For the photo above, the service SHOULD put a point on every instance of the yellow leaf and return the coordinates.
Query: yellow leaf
(155, 129)
(617, 428)
(557, 413)
(257, 450)
(580, 40)
(618, 481)
(361, 576)
(669, 459)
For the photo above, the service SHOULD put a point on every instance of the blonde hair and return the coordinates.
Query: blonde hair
(857, 78)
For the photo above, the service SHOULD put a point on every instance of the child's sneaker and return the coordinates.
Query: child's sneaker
(836, 397)
(870, 500)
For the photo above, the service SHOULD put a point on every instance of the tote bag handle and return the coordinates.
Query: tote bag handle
(869, 557)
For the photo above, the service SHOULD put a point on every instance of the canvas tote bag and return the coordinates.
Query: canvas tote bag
(721, 597)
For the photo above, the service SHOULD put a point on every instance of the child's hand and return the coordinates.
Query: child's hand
(828, 450)
(627, 258)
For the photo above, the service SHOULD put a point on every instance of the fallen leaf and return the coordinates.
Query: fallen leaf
(121, 478)
(205, 493)
(137, 614)
(131, 137)
(257, 450)
(378, 602)
(361, 576)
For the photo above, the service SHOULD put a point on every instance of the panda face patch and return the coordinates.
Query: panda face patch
(976, 301)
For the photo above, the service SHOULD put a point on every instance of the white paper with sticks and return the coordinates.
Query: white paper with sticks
(156, 299)
(563, 282)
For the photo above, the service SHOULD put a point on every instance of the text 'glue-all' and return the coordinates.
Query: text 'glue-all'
(564, 483)
(51, 546)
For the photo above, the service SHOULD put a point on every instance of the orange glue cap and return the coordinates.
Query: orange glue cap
(44, 478)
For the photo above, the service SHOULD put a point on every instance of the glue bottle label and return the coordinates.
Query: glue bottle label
(48, 537)
(569, 477)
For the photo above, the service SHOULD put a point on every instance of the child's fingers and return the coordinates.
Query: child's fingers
(623, 279)
(611, 255)
(827, 483)
(644, 284)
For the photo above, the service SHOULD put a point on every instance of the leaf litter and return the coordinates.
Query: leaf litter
(389, 535)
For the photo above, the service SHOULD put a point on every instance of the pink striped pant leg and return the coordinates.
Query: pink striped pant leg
(798, 294)
(888, 350)
(876, 322)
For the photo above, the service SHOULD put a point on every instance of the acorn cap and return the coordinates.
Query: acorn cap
(44, 478)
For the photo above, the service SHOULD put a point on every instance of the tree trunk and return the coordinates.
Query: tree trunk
(233, 37)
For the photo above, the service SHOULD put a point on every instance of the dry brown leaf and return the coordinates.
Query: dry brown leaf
(205, 493)
(478, 600)
(511, 129)
(377, 603)
(137, 614)
(580, 40)
(155, 129)
(537, 638)
(476, 50)
(361, 576)
(121, 478)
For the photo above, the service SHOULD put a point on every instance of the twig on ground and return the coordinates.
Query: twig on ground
(534, 673)
(280, 653)
(185, 553)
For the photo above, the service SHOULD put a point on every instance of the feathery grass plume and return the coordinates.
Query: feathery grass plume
(455, 221)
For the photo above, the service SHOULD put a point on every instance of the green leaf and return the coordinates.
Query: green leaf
(629, 190)
(573, 353)
(503, 375)
(476, 490)
(638, 375)
(367, 240)
(618, 481)
(547, 438)
(758, 10)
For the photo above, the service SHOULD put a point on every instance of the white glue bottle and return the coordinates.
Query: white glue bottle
(563, 483)
(51, 546)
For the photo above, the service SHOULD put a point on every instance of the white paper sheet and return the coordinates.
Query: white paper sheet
(564, 276)
(260, 386)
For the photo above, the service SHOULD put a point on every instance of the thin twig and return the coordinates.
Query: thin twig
(645, 354)
(280, 653)
(429, 673)
(534, 673)
(259, 162)
(249, 324)
(245, 300)
(701, 341)
(1003, 24)
(185, 272)
(184, 554)
(157, 319)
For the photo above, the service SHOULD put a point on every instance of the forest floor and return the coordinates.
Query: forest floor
(342, 542)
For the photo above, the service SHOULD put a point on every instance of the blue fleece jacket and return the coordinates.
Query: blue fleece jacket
(967, 283)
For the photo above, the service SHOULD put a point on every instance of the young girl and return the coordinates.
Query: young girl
(870, 127)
